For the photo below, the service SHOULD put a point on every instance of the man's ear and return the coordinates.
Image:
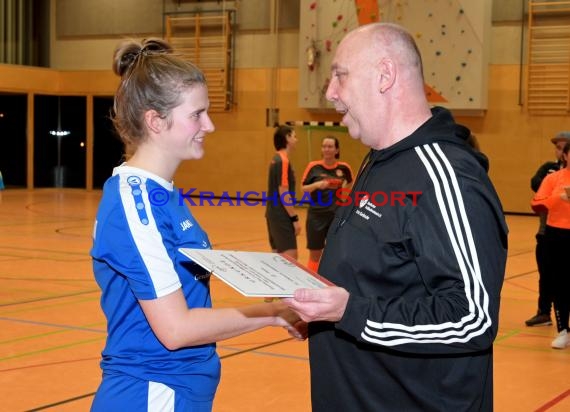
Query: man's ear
(387, 75)
(153, 121)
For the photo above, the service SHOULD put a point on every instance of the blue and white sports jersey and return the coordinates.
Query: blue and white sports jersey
(139, 228)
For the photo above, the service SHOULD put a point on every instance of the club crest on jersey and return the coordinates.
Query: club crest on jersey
(134, 180)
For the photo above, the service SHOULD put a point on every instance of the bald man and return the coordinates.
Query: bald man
(417, 254)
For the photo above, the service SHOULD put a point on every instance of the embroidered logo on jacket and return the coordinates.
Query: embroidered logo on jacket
(366, 206)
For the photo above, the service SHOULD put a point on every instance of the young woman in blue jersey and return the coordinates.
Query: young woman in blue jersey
(160, 352)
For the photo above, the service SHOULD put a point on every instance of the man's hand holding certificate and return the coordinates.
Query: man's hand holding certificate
(261, 274)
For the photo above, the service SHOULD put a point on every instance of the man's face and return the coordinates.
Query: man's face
(349, 88)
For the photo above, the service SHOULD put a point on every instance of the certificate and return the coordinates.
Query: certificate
(260, 274)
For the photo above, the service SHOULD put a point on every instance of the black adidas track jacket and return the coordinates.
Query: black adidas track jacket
(421, 248)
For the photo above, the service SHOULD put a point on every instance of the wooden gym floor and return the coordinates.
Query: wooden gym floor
(52, 329)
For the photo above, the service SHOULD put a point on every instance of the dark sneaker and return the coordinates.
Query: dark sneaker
(540, 319)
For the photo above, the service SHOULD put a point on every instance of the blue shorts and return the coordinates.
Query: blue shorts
(121, 393)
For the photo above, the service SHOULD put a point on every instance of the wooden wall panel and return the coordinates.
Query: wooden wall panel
(103, 83)
(14, 78)
(107, 18)
(515, 142)
(27, 79)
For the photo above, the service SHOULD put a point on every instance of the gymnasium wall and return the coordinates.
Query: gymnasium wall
(453, 35)
(237, 154)
(516, 143)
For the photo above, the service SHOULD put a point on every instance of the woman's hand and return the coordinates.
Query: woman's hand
(290, 320)
(300, 330)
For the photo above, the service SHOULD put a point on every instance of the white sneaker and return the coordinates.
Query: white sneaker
(561, 341)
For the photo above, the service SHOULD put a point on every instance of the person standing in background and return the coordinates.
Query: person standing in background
(545, 288)
(553, 197)
(473, 143)
(283, 224)
(322, 179)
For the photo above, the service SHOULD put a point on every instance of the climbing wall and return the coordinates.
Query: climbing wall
(452, 35)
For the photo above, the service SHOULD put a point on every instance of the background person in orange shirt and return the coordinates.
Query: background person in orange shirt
(552, 197)
(545, 288)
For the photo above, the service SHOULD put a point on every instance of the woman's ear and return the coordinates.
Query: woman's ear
(153, 121)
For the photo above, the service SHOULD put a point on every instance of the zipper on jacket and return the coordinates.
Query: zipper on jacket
(359, 176)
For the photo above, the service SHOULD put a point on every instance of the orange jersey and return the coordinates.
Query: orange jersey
(548, 198)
